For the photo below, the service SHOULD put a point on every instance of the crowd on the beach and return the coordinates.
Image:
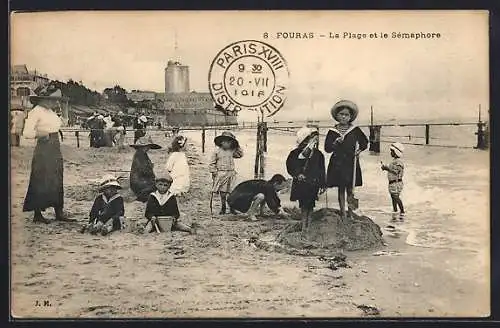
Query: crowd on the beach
(159, 187)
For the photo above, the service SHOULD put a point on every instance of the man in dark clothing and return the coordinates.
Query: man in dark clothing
(251, 196)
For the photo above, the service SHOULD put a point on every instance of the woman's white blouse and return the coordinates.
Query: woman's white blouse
(41, 121)
(178, 167)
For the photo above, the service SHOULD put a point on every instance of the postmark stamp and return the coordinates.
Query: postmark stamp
(250, 75)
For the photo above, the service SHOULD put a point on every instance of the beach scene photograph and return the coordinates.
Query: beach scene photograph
(249, 164)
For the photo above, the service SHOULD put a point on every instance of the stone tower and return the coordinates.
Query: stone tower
(176, 77)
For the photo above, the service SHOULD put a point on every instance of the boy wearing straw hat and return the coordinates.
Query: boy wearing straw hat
(345, 141)
(163, 203)
(395, 172)
(107, 210)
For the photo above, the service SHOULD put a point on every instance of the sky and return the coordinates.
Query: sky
(442, 78)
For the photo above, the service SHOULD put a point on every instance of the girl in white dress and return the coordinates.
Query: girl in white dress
(178, 167)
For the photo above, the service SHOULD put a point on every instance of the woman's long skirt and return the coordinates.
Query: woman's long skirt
(46, 180)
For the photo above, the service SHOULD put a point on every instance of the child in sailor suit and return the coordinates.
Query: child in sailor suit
(163, 203)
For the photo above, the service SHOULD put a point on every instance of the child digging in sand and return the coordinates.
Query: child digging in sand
(395, 171)
(107, 210)
(163, 203)
(222, 166)
(306, 164)
(345, 141)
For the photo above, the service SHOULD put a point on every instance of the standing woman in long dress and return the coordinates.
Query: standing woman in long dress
(341, 142)
(46, 179)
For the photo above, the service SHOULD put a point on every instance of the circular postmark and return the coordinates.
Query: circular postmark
(250, 75)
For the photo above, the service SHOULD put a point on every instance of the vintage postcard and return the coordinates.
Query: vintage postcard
(249, 164)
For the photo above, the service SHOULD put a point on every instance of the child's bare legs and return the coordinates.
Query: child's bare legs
(256, 206)
(342, 202)
(397, 202)
(223, 201)
(179, 226)
(303, 218)
(306, 219)
(394, 202)
(350, 195)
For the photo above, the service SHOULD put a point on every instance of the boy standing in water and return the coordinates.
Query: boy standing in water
(395, 171)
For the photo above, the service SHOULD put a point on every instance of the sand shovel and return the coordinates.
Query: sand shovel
(352, 201)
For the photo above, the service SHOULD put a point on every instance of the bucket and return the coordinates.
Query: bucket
(166, 222)
(130, 224)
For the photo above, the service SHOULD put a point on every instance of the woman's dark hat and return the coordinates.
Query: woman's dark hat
(225, 136)
(353, 108)
(47, 92)
(145, 142)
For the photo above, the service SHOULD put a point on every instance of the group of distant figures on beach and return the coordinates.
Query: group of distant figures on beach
(110, 130)
(161, 189)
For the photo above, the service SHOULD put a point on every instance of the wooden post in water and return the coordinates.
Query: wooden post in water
(427, 133)
(482, 133)
(374, 135)
(263, 150)
(257, 152)
(203, 139)
(77, 134)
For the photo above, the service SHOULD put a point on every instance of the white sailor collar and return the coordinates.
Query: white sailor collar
(348, 130)
(162, 198)
(107, 201)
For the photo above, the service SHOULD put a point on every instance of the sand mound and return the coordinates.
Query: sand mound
(329, 231)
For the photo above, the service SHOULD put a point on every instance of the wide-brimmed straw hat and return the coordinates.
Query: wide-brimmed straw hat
(398, 148)
(352, 107)
(225, 136)
(145, 141)
(109, 181)
(49, 92)
(143, 118)
(305, 133)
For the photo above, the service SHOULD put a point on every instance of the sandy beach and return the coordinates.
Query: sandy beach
(58, 272)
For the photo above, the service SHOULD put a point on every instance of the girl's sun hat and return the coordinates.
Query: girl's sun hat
(398, 148)
(304, 133)
(109, 181)
(352, 107)
(225, 136)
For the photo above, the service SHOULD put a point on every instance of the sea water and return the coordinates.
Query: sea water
(446, 190)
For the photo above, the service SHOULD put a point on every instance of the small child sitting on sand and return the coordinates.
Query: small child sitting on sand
(163, 203)
(395, 171)
(107, 210)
